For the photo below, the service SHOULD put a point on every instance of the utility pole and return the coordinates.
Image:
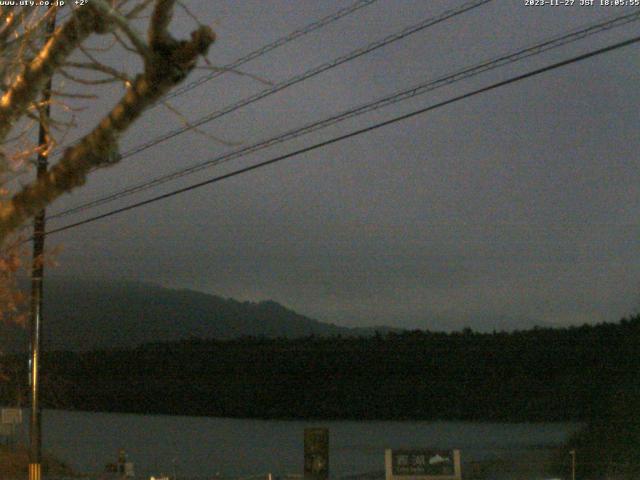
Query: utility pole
(37, 273)
(573, 464)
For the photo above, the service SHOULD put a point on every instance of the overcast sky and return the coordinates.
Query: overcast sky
(516, 207)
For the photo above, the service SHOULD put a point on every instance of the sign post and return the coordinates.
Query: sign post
(421, 464)
(316, 453)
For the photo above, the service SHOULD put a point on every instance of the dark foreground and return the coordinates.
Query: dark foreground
(588, 374)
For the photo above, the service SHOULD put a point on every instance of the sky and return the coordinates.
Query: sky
(513, 208)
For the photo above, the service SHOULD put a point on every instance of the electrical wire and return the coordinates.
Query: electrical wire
(352, 134)
(233, 66)
(451, 13)
(420, 89)
(272, 46)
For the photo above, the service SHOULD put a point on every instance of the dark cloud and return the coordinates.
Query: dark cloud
(518, 206)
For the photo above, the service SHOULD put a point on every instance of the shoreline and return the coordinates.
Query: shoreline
(578, 423)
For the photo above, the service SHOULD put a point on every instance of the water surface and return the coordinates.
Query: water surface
(204, 446)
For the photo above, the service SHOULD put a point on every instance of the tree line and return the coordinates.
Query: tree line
(542, 374)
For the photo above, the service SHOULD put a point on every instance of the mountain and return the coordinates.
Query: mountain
(88, 315)
(81, 314)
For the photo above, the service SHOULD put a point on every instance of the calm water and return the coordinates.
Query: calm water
(206, 446)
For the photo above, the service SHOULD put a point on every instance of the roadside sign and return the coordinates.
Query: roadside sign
(422, 464)
(316, 453)
(11, 416)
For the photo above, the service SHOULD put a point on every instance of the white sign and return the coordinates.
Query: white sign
(422, 464)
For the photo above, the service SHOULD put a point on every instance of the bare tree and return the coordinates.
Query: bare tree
(29, 59)
(166, 62)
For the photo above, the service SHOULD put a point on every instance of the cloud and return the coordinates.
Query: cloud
(519, 206)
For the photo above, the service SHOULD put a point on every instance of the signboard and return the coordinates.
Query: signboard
(409, 464)
(316, 453)
(12, 416)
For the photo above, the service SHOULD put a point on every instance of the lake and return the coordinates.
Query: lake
(202, 446)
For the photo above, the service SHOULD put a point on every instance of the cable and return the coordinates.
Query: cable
(310, 73)
(272, 46)
(265, 49)
(368, 107)
(370, 128)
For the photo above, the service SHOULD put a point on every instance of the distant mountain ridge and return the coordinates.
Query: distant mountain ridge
(89, 314)
(85, 315)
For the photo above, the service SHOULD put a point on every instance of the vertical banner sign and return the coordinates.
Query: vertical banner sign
(316, 453)
(418, 464)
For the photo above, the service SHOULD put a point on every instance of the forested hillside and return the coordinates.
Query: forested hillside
(97, 314)
(541, 374)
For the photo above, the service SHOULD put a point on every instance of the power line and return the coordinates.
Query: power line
(272, 46)
(233, 66)
(310, 73)
(420, 89)
(361, 131)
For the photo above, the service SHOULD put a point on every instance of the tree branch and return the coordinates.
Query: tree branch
(159, 25)
(33, 77)
(172, 62)
(123, 24)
